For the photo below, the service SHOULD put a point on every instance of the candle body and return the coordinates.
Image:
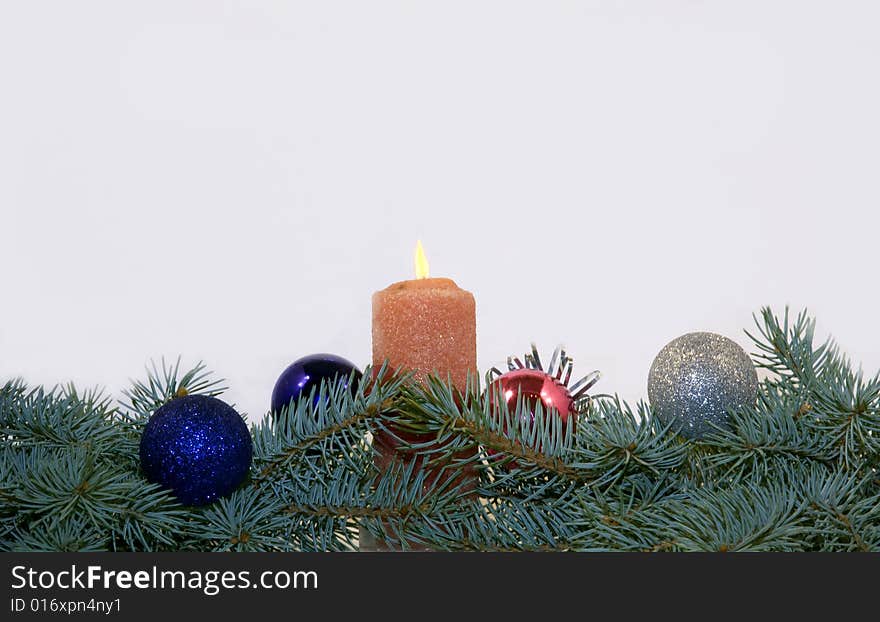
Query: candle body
(427, 326)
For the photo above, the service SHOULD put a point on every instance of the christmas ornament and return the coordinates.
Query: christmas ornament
(696, 379)
(197, 446)
(307, 372)
(531, 384)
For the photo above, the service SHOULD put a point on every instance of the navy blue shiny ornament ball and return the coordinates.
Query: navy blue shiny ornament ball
(303, 374)
(197, 446)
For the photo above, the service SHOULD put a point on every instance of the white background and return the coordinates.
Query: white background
(231, 182)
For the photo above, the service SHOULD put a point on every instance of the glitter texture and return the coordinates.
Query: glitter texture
(426, 326)
(696, 379)
(197, 446)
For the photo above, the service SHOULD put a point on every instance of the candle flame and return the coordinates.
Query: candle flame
(421, 262)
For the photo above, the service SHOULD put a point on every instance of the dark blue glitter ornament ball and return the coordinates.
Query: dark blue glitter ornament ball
(303, 374)
(197, 446)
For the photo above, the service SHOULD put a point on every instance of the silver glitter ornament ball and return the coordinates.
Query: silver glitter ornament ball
(696, 379)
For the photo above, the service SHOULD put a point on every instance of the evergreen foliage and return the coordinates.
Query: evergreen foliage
(797, 472)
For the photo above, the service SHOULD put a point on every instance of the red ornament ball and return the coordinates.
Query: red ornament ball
(530, 384)
(534, 386)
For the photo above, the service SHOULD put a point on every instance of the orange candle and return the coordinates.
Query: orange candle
(427, 326)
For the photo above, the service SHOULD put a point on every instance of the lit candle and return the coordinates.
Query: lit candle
(426, 326)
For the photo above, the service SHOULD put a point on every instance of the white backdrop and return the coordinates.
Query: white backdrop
(232, 181)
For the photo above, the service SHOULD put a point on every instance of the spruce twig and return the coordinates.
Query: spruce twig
(797, 471)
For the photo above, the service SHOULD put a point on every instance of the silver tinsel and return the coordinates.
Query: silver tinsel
(696, 379)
